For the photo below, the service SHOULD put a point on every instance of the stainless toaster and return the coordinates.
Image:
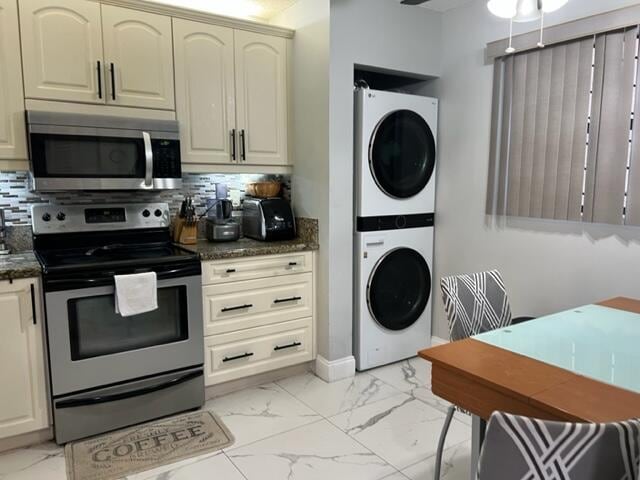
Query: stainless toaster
(268, 219)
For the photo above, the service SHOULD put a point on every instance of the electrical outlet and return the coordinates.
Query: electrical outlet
(235, 197)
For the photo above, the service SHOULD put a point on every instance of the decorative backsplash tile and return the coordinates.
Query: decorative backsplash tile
(16, 199)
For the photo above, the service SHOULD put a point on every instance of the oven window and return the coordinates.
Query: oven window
(96, 329)
(69, 156)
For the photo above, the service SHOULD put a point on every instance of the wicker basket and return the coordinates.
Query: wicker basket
(263, 189)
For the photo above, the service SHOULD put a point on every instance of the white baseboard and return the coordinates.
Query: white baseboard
(333, 370)
(435, 341)
(26, 439)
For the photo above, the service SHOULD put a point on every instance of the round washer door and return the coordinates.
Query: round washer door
(399, 289)
(402, 154)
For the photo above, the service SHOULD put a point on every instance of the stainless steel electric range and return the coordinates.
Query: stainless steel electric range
(108, 371)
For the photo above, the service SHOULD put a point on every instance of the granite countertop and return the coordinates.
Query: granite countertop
(19, 265)
(246, 247)
(25, 265)
(307, 240)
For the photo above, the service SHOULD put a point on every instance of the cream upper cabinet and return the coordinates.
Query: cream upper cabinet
(139, 58)
(261, 98)
(23, 403)
(205, 97)
(12, 131)
(62, 50)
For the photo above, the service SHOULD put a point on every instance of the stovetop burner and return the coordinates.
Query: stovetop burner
(105, 237)
(112, 253)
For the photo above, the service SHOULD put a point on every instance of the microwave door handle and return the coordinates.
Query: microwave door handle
(148, 157)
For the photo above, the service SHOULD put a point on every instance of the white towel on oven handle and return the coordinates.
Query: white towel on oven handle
(136, 293)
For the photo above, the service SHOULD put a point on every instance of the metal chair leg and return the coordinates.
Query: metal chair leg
(443, 437)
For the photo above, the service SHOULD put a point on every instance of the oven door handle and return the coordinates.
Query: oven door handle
(148, 157)
(81, 402)
(93, 282)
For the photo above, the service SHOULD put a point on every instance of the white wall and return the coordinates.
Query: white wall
(327, 44)
(309, 132)
(547, 266)
(378, 33)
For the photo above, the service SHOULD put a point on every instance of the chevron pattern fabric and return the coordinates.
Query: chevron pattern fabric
(475, 303)
(521, 448)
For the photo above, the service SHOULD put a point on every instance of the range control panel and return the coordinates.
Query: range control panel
(94, 218)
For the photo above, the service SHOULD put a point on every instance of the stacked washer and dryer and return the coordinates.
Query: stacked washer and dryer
(395, 155)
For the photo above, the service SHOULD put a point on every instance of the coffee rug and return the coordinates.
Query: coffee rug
(143, 447)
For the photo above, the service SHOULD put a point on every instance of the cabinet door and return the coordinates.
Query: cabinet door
(205, 98)
(23, 403)
(138, 44)
(61, 50)
(261, 98)
(12, 132)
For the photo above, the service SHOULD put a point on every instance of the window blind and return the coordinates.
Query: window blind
(565, 144)
(609, 136)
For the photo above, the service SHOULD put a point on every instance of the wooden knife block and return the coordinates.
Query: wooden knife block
(188, 234)
(184, 232)
(178, 223)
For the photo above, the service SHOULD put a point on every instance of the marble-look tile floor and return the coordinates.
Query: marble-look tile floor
(380, 425)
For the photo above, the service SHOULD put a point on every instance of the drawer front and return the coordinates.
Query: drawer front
(234, 306)
(224, 271)
(241, 354)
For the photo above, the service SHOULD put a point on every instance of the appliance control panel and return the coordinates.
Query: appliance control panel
(104, 217)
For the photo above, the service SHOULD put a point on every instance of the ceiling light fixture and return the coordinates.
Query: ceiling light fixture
(524, 11)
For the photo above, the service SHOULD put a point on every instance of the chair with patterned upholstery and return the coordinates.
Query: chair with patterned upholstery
(474, 303)
(521, 447)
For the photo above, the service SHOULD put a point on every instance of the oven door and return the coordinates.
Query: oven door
(89, 158)
(90, 345)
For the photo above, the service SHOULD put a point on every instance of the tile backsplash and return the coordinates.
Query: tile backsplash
(16, 199)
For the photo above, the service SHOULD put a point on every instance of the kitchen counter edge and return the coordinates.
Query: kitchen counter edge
(248, 248)
(19, 265)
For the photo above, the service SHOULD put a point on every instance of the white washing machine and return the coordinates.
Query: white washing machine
(392, 296)
(395, 153)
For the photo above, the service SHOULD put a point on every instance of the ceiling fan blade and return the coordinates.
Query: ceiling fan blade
(413, 2)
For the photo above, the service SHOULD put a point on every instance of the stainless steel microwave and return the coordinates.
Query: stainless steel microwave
(94, 152)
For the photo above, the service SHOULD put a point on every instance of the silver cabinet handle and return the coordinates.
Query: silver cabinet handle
(148, 157)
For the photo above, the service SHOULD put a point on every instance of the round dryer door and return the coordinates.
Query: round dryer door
(399, 289)
(402, 154)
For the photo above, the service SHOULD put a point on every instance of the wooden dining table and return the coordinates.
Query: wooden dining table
(577, 366)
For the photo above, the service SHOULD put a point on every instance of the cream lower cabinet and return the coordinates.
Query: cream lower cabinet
(258, 315)
(13, 143)
(23, 402)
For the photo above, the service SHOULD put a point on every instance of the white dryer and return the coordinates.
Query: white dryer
(395, 153)
(392, 296)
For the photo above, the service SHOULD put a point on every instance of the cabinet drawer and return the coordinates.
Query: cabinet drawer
(233, 306)
(240, 354)
(223, 271)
